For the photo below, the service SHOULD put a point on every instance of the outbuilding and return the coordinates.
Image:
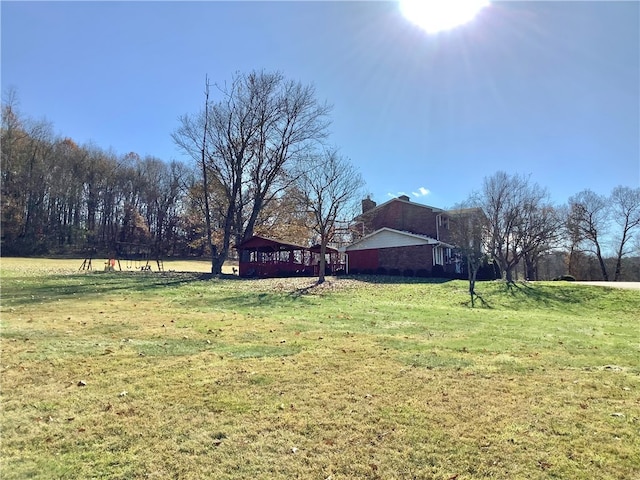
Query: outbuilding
(266, 257)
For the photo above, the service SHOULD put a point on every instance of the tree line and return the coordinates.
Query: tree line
(262, 163)
(259, 155)
(512, 222)
(60, 197)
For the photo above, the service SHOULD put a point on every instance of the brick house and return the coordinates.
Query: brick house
(402, 237)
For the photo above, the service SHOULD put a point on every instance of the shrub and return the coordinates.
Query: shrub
(565, 278)
(438, 271)
(395, 272)
(423, 273)
(408, 272)
(381, 271)
(488, 271)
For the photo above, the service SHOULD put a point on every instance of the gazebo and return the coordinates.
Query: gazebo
(265, 257)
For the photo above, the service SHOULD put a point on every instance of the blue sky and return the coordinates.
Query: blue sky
(550, 89)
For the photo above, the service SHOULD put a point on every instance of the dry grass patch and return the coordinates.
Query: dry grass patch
(183, 376)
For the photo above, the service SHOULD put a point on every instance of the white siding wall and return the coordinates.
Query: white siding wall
(438, 256)
(388, 239)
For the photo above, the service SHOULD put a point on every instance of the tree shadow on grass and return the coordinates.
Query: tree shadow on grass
(299, 292)
(254, 301)
(395, 279)
(52, 288)
(526, 293)
(483, 302)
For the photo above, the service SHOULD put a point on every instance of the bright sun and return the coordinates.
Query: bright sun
(434, 16)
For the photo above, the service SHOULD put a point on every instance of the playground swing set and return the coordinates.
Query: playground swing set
(133, 256)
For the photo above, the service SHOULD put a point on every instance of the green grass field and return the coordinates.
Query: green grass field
(178, 375)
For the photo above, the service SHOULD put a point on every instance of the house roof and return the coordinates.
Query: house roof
(389, 238)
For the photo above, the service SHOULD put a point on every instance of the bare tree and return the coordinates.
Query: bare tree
(329, 186)
(625, 208)
(589, 218)
(191, 137)
(541, 228)
(13, 157)
(468, 230)
(517, 216)
(261, 125)
(498, 199)
(160, 195)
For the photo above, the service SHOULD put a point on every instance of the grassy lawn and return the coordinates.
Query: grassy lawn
(177, 375)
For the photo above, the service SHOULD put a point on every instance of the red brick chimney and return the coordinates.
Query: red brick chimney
(368, 204)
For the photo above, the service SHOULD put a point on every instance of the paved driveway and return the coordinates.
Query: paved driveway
(631, 285)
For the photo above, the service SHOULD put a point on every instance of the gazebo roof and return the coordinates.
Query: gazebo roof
(263, 244)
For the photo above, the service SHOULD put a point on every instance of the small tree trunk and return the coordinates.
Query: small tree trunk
(620, 252)
(218, 262)
(472, 282)
(603, 268)
(205, 179)
(322, 265)
(508, 273)
(531, 272)
(570, 263)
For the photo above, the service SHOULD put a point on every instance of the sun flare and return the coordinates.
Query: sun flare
(435, 16)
